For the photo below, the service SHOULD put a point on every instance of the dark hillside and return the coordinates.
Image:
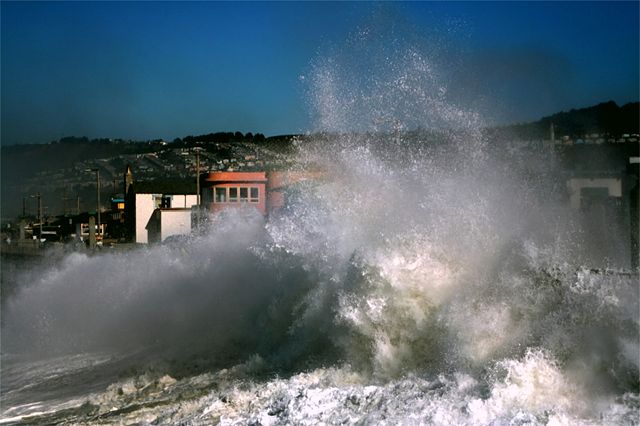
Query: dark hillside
(23, 161)
(607, 118)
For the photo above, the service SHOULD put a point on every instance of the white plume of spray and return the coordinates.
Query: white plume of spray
(458, 253)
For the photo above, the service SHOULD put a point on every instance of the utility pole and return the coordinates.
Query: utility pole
(77, 205)
(24, 207)
(198, 208)
(198, 176)
(98, 197)
(97, 171)
(40, 212)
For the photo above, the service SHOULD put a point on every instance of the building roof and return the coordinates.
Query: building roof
(166, 186)
(234, 177)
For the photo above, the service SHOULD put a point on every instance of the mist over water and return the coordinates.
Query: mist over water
(427, 277)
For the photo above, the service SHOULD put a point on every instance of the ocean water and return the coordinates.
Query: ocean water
(427, 278)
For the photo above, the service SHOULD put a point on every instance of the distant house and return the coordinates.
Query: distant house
(144, 198)
(82, 231)
(117, 208)
(583, 190)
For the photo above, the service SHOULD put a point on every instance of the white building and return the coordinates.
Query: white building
(147, 203)
(166, 222)
(610, 186)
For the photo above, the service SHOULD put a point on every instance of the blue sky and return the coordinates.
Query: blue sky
(163, 70)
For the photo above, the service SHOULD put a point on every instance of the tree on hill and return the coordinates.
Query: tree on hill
(221, 137)
(607, 118)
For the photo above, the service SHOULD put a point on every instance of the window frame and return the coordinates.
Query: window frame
(243, 198)
(216, 198)
(243, 194)
(253, 199)
(230, 198)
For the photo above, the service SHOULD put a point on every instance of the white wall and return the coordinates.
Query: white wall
(184, 201)
(575, 185)
(174, 222)
(145, 206)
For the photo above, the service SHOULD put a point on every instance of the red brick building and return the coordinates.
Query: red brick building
(228, 189)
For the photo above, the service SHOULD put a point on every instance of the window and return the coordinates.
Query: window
(236, 194)
(221, 195)
(162, 201)
(166, 201)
